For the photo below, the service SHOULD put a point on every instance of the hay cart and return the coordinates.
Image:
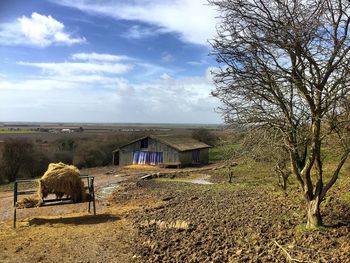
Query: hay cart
(55, 201)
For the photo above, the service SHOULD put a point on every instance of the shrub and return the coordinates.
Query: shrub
(205, 136)
(63, 156)
(16, 153)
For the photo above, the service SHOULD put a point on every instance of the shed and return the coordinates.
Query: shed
(166, 150)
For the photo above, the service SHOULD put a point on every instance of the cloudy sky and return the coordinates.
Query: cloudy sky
(107, 61)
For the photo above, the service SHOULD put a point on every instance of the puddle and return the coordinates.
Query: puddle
(193, 179)
(107, 190)
(200, 181)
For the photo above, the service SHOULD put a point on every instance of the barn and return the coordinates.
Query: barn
(165, 150)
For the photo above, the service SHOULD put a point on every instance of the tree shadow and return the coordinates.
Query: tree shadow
(337, 225)
(339, 218)
(75, 220)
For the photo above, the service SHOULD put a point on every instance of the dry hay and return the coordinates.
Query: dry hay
(178, 224)
(27, 202)
(61, 179)
(141, 166)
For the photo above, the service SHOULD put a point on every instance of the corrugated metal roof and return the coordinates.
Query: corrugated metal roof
(178, 142)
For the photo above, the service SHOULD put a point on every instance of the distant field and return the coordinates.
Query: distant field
(35, 130)
(16, 131)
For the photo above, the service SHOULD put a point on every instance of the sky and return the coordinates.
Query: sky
(107, 61)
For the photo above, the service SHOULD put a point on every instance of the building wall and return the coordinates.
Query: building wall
(126, 153)
(204, 156)
(186, 157)
(170, 155)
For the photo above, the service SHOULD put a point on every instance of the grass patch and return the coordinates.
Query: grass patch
(173, 180)
(249, 173)
(16, 131)
(346, 197)
(222, 152)
(299, 229)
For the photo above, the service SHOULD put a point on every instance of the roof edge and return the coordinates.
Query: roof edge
(131, 142)
(155, 137)
(174, 147)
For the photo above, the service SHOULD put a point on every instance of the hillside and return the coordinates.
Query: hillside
(167, 220)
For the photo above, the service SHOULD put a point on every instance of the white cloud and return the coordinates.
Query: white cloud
(115, 100)
(98, 57)
(138, 32)
(37, 30)
(198, 63)
(97, 67)
(37, 84)
(91, 87)
(167, 58)
(91, 70)
(149, 71)
(171, 100)
(165, 76)
(193, 20)
(71, 68)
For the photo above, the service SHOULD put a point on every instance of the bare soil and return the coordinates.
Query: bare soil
(250, 224)
(174, 220)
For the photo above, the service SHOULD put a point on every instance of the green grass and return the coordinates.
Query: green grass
(346, 197)
(16, 131)
(301, 228)
(222, 152)
(174, 180)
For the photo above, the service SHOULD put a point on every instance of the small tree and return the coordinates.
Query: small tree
(16, 153)
(229, 155)
(266, 146)
(285, 66)
(282, 172)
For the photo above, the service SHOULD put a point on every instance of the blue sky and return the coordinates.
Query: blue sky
(107, 61)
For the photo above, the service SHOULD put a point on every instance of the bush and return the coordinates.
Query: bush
(37, 164)
(89, 157)
(63, 156)
(97, 152)
(16, 153)
(205, 136)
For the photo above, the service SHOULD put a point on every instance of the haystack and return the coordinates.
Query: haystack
(61, 179)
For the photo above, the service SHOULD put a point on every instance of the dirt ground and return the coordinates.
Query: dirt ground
(173, 219)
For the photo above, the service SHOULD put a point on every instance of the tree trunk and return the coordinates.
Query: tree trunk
(230, 175)
(284, 185)
(314, 218)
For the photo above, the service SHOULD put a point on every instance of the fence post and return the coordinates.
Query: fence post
(15, 185)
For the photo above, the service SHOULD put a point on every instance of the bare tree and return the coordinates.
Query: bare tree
(16, 153)
(282, 171)
(264, 145)
(285, 66)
